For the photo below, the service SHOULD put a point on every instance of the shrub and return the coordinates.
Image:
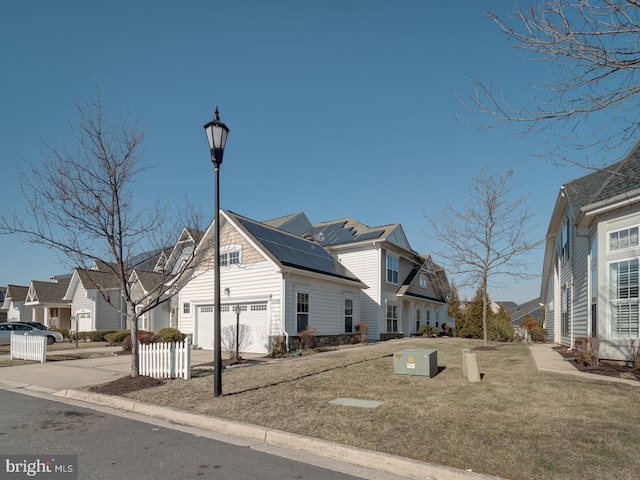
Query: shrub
(362, 328)
(93, 336)
(62, 331)
(634, 347)
(116, 337)
(587, 350)
(500, 330)
(307, 338)
(169, 335)
(145, 338)
(276, 346)
(538, 334)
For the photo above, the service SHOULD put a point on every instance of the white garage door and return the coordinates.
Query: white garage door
(204, 327)
(84, 322)
(254, 315)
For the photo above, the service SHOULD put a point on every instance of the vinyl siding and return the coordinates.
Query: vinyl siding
(259, 280)
(612, 347)
(107, 317)
(326, 304)
(364, 264)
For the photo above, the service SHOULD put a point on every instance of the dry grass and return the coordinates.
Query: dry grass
(517, 423)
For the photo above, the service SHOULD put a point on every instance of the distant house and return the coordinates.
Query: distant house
(284, 275)
(47, 305)
(518, 313)
(3, 312)
(96, 299)
(14, 299)
(590, 279)
(145, 289)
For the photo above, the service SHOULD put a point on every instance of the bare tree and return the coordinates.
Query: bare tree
(591, 50)
(488, 238)
(81, 204)
(235, 339)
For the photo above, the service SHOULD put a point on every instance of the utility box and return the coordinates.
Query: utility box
(416, 361)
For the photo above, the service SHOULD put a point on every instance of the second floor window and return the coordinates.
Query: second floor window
(622, 239)
(392, 269)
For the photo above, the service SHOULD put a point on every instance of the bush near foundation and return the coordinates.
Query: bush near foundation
(145, 338)
(170, 335)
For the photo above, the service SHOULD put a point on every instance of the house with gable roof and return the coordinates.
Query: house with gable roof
(279, 282)
(96, 298)
(13, 303)
(405, 289)
(591, 271)
(48, 307)
(146, 289)
(284, 275)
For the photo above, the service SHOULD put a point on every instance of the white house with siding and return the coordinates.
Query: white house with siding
(47, 305)
(590, 279)
(88, 292)
(285, 274)
(13, 303)
(279, 281)
(406, 290)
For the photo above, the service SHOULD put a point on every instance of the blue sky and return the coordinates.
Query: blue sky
(336, 108)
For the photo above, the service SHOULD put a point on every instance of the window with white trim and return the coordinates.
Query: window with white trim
(186, 308)
(393, 269)
(625, 238)
(564, 240)
(423, 281)
(623, 298)
(392, 318)
(348, 315)
(418, 314)
(302, 311)
(230, 255)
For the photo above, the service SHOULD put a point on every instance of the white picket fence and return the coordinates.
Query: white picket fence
(166, 360)
(28, 347)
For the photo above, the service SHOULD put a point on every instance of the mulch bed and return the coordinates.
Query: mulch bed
(130, 384)
(606, 368)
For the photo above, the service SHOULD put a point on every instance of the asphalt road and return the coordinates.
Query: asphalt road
(115, 446)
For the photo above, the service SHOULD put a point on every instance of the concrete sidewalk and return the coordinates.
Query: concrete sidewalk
(549, 360)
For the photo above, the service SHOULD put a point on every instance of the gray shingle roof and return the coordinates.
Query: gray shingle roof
(96, 279)
(616, 179)
(50, 292)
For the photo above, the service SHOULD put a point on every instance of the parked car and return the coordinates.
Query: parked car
(23, 328)
(38, 325)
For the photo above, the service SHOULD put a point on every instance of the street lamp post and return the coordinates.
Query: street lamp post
(217, 136)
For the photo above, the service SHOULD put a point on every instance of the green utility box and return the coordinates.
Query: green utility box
(416, 361)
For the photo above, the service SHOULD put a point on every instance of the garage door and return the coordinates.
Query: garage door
(84, 322)
(254, 315)
(204, 327)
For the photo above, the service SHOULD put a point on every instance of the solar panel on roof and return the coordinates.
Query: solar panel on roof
(296, 251)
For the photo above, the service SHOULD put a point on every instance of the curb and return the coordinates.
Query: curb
(360, 457)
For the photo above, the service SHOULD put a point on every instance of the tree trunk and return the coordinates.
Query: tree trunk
(133, 327)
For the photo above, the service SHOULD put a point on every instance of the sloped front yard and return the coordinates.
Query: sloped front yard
(516, 423)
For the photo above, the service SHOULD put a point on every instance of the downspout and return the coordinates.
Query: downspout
(587, 237)
(283, 306)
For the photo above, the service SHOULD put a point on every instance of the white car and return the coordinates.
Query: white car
(23, 328)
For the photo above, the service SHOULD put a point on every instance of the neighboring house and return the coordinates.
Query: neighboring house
(519, 312)
(3, 312)
(86, 292)
(145, 286)
(590, 279)
(406, 290)
(286, 275)
(14, 298)
(46, 300)
(280, 282)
